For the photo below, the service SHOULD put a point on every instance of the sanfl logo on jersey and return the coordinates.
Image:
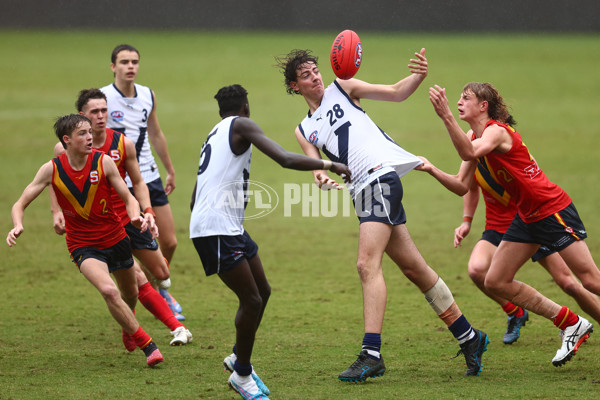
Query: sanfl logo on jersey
(313, 137)
(117, 116)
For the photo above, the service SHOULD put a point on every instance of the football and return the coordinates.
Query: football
(346, 54)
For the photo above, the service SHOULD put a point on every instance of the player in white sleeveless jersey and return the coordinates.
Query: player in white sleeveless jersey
(345, 133)
(337, 125)
(129, 115)
(216, 230)
(132, 111)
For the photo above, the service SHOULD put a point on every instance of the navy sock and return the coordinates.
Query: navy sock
(462, 330)
(372, 343)
(234, 351)
(243, 370)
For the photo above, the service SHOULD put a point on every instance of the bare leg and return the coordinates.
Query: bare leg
(577, 256)
(403, 251)
(154, 261)
(500, 281)
(97, 273)
(373, 238)
(589, 302)
(242, 281)
(166, 228)
(479, 265)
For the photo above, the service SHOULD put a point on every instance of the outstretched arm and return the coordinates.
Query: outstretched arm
(250, 131)
(42, 179)
(494, 137)
(458, 184)
(397, 92)
(462, 143)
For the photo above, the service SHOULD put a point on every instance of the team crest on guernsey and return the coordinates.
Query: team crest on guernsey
(313, 137)
(117, 116)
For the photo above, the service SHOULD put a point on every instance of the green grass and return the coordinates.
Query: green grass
(57, 339)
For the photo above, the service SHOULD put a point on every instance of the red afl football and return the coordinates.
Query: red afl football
(346, 54)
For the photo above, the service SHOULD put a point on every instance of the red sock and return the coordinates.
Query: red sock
(565, 318)
(511, 309)
(142, 339)
(157, 305)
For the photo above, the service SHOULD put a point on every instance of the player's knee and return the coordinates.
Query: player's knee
(591, 284)
(569, 285)
(169, 243)
(265, 294)
(493, 286)
(367, 269)
(162, 273)
(252, 305)
(477, 272)
(110, 293)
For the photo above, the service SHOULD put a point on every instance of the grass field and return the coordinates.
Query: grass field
(57, 339)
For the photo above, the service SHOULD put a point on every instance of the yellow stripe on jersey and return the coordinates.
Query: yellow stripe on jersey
(488, 181)
(70, 191)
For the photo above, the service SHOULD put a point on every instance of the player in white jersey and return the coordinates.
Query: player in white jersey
(216, 229)
(337, 125)
(132, 111)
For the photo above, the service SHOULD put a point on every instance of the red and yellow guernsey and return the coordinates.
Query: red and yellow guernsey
(500, 209)
(114, 147)
(85, 199)
(516, 175)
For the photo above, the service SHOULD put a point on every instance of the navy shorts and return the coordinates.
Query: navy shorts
(381, 201)
(140, 241)
(116, 257)
(495, 237)
(220, 253)
(158, 197)
(556, 231)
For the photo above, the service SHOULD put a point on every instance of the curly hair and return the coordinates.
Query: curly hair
(231, 98)
(291, 63)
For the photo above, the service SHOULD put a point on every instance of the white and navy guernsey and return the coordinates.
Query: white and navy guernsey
(221, 183)
(129, 115)
(346, 134)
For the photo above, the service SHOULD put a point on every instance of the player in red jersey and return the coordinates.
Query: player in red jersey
(92, 104)
(499, 213)
(82, 179)
(546, 215)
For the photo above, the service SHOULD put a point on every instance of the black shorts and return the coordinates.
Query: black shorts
(140, 241)
(381, 201)
(116, 257)
(556, 231)
(495, 237)
(220, 253)
(158, 197)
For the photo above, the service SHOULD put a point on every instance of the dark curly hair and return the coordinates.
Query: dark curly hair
(291, 63)
(231, 98)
